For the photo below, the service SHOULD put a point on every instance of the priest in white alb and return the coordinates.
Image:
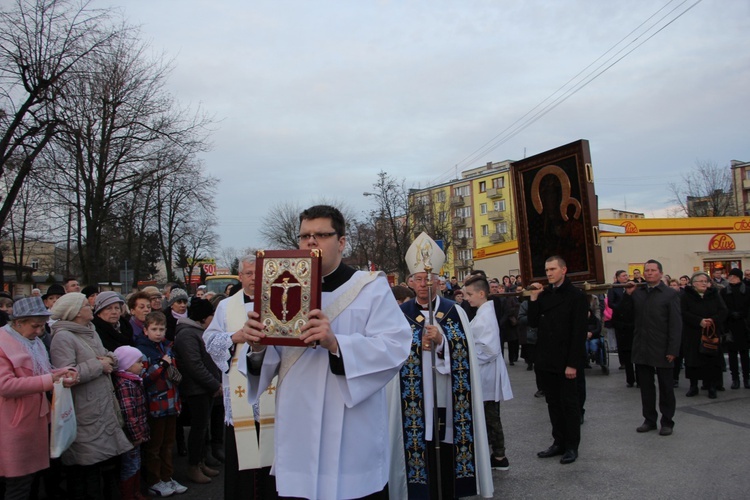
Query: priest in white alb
(331, 439)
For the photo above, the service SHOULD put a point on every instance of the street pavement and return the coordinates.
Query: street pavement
(708, 456)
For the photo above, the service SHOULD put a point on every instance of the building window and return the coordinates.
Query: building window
(500, 205)
(461, 191)
(482, 186)
(463, 212)
(485, 230)
(442, 216)
(483, 208)
(501, 227)
(465, 233)
(441, 196)
(498, 182)
(464, 254)
(34, 264)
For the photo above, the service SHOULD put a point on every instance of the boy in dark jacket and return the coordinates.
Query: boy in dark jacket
(163, 404)
(132, 399)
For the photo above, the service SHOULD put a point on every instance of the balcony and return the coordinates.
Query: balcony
(457, 200)
(497, 237)
(459, 222)
(745, 183)
(494, 193)
(464, 264)
(496, 215)
(463, 242)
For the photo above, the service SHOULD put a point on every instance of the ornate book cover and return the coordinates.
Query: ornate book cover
(287, 287)
(557, 213)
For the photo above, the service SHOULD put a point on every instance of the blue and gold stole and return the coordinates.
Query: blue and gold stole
(413, 409)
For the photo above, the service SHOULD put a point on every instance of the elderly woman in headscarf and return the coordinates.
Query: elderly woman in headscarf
(100, 435)
(25, 376)
(113, 329)
(702, 310)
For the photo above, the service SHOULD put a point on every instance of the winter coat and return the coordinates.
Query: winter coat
(737, 299)
(24, 411)
(200, 374)
(99, 435)
(162, 394)
(110, 337)
(621, 322)
(657, 321)
(694, 309)
(132, 398)
(560, 316)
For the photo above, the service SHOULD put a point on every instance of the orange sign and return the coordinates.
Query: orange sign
(720, 242)
(630, 227)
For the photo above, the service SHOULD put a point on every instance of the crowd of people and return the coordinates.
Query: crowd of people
(388, 381)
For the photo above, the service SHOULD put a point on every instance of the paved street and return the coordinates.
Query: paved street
(708, 456)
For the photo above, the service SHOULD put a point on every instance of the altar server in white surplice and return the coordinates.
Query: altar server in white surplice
(249, 428)
(331, 439)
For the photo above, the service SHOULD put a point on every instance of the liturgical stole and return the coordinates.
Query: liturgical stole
(253, 451)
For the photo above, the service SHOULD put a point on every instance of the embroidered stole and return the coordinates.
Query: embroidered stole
(413, 407)
(253, 451)
(290, 355)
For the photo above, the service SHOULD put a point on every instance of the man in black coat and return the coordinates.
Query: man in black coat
(656, 343)
(559, 312)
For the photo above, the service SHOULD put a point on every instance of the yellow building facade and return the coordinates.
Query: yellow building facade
(473, 212)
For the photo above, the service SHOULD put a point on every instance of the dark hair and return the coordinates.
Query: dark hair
(478, 272)
(559, 260)
(69, 279)
(658, 264)
(479, 283)
(402, 293)
(619, 272)
(138, 295)
(326, 212)
(154, 318)
(200, 309)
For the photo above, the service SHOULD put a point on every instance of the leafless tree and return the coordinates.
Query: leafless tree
(391, 224)
(119, 129)
(43, 44)
(705, 191)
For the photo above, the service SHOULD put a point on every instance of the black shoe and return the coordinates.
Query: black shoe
(646, 427)
(735, 383)
(711, 393)
(629, 385)
(693, 391)
(512, 363)
(539, 394)
(552, 451)
(499, 463)
(704, 388)
(622, 367)
(569, 457)
(665, 431)
(720, 388)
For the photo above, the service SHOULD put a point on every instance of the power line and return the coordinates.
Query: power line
(522, 123)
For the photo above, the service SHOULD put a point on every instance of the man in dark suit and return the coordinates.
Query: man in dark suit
(656, 343)
(559, 312)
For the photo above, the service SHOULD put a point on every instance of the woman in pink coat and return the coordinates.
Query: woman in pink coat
(25, 376)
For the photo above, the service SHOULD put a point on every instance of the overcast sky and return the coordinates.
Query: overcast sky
(314, 98)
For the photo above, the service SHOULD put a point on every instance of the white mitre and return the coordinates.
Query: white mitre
(424, 252)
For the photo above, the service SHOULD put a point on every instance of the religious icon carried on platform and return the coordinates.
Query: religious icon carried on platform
(287, 287)
(557, 213)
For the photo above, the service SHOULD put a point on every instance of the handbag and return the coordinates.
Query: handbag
(709, 344)
(174, 374)
(63, 428)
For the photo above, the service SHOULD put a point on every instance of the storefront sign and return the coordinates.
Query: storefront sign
(721, 242)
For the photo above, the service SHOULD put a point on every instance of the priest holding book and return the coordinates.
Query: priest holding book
(331, 436)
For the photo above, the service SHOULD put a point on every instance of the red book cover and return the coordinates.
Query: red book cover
(287, 287)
